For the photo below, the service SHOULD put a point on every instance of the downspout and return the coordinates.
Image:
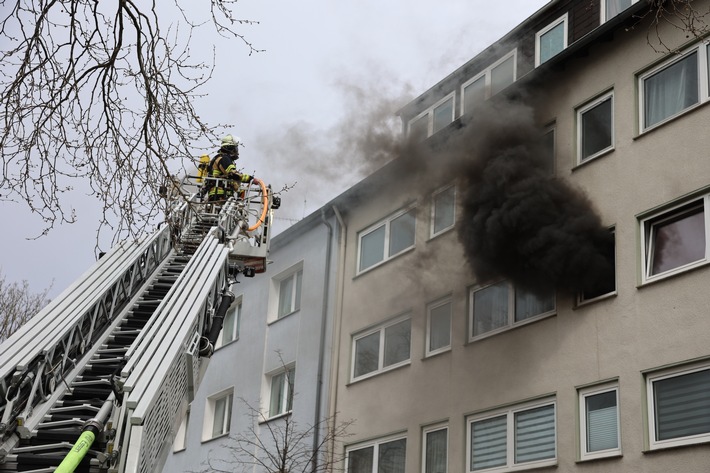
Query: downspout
(321, 346)
(337, 325)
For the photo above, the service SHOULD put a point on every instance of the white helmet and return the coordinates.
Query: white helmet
(230, 140)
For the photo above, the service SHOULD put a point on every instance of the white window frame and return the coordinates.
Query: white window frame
(429, 113)
(432, 231)
(381, 351)
(701, 49)
(511, 312)
(647, 222)
(425, 432)
(580, 122)
(375, 445)
(488, 82)
(603, 9)
(650, 413)
(180, 442)
(542, 32)
(510, 412)
(387, 225)
(210, 410)
(583, 394)
(275, 292)
(287, 376)
(236, 309)
(435, 305)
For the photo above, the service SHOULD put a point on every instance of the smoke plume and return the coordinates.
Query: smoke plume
(519, 221)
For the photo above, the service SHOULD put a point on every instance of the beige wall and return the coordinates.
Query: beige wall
(640, 328)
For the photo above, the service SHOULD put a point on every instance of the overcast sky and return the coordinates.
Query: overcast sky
(326, 65)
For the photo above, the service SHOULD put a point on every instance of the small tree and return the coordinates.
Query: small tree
(18, 305)
(283, 445)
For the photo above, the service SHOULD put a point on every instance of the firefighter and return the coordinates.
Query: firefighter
(223, 166)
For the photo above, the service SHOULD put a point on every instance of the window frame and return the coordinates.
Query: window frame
(511, 324)
(565, 43)
(210, 413)
(375, 445)
(295, 302)
(660, 375)
(510, 412)
(429, 114)
(386, 222)
(486, 74)
(609, 95)
(647, 223)
(435, 195)
(428, 430)
(582, 395)
(702, 49)
(381, 329)
(551, 130)
(435, 305)
(286, 376)
(237, 306)
(603, 7)
(582, 300)
(180, 442)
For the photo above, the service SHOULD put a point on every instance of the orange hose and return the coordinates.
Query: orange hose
(265, 205)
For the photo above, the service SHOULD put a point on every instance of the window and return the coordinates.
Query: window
(218, 415)
(230, 326)
(599, 422)
(382, 348)
(432, 120)
(386, 456)
(548, 148)
(386, 239)
(551, 40)
(181, 435)
(443, 210)
(675, 240)
(281, 398)
(674, 87)
(606, 283)
(500, 306)
(679, 407)
(290, 294)
(489, 82)
(435, 451)
(438, 335)
(507, 439)
(611, 8)
(595, 128)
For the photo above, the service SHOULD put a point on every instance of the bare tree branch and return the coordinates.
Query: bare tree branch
(101, 94)
(18, 305)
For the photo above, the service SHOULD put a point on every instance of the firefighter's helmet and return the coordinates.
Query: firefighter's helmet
(230, 141)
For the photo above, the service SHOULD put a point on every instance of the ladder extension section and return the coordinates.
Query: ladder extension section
(37, 358)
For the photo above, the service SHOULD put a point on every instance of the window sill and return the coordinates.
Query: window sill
(283, 317)
(701, 442)
(675, 117)
(592, 159)
(375, 374)
(434, 236)
(436, 353)
(276, 417)
(384, 261)
(608, 456)
(226, 344)
(506, 329)
(673, 273)
(582, 304)
(215, 438)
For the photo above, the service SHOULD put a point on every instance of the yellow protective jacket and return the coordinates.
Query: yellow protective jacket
(223, 167)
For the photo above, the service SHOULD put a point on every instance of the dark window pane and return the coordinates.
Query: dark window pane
(596, 129)
(367, 352)
(678, 240)
(682, 405)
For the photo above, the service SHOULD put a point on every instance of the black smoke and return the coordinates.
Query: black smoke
(519, 222)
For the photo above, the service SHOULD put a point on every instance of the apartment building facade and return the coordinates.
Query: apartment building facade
(445, 372)
(374, 304)
(270, 362)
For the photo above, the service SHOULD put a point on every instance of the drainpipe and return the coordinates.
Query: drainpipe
(337, 325)
(321, 346)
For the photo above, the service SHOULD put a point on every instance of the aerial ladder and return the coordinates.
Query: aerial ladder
(96, 381)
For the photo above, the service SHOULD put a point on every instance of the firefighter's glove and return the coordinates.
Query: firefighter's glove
(246, 178)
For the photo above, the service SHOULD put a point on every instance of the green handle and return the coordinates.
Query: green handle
(77, 453)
